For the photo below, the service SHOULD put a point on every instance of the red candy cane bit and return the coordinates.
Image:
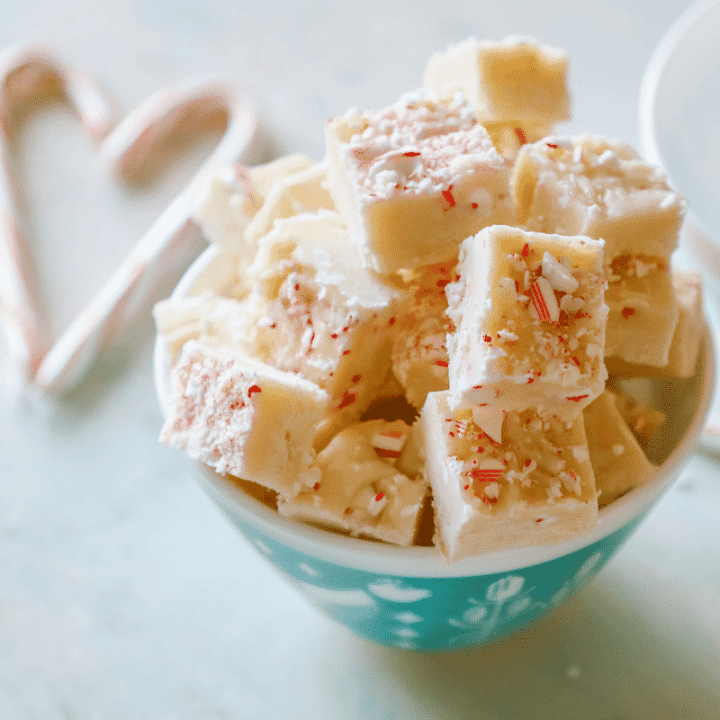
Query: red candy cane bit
(346, 352)
(538, 302)
(552, 145)
(391, 321)
(411, 154)
(626, 312)
(544, 301)
(578, 398)
(486, 474)
(575, 360)
(449, 197)
(381, 495)
(316, 486)
(487, 338)
(348, 399)
(389, 443)
(356, 378)
(525, 251)
(461, 427)
(254, 389)
(441, 363)
(385, 453)
(520, 135)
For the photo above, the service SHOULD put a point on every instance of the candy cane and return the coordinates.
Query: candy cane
(127, 149)
(25, 72)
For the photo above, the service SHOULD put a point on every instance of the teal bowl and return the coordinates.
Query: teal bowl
(413, 597)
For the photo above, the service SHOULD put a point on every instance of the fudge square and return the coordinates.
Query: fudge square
(530, 316)
(510, 135)
(363, 488)
(536, 487)
(616, 456)
(314, 310)
(643, 310)
(419, 354)
(415, 179)
(515, 79)
(298, 193)
(686, 339)
(227, 205)
(244, 418)
(589, 185)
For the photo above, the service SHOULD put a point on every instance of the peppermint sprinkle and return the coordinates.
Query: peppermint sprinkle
(543, 300)
(461, 427)
(449, 197)
(490, 471)
(376, 505)
(389, 443)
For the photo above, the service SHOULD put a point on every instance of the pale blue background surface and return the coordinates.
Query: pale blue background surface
(123, 592)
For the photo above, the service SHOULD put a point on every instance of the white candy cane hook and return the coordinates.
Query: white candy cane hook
(128, 147)
(26, 72)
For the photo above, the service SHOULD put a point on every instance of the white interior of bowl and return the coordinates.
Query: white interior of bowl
(428, 561)
(679, 110)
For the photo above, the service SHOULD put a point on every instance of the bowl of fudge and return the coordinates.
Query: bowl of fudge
(440, 376)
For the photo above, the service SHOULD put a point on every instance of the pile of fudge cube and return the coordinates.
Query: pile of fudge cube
(414, 341)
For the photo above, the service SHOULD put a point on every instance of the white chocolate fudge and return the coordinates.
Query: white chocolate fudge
(419, 354)
(360, 489)
(515, 79)
(685, 344)
(534, 488)
(295, 194)
(244, 418)
(643, 310)
(319, 313)
(212, 319)
(265, 176)
(509, 136)
(234, 196)
(530, 319)
(415, 179)
(588, 185)
(617, 459)
(180, 320)
(225, 209)
(644, 421)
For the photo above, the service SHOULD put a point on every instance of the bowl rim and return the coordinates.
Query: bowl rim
(656, 71)
(428, 562)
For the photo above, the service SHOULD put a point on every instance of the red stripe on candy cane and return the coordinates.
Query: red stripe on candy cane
(538, 301)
